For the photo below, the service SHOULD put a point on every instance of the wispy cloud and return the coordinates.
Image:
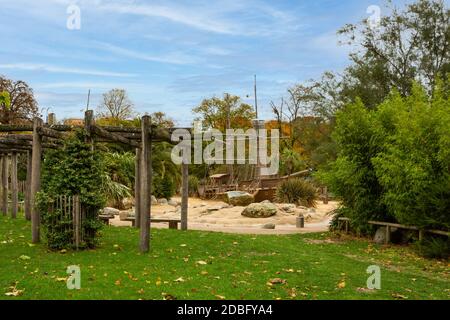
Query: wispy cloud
(167, 58)
(55, 69)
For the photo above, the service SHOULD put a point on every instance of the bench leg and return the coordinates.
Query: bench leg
(173, 225)
(388, 234)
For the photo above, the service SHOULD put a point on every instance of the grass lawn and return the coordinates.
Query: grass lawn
(202, 265)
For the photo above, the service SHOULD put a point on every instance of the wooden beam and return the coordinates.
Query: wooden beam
(99, 131)
(14, 187)
(146, 184)
(137, 188)
(15, 128)
(28, 188)
(184, 196)
(47, 132)
(36, 180)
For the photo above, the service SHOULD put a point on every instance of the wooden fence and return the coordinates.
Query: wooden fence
(68, 209)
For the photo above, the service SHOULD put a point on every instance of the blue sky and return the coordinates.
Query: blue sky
(169, 55)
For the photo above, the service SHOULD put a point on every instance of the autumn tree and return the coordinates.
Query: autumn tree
(17, 102)
(216, 113)
(116, 104)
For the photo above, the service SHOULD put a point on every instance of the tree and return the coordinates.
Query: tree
(409, 45)
(116, 105)
(214, 113)
(22, 104)
(160, 119)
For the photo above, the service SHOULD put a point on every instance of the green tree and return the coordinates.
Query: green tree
(214, 113)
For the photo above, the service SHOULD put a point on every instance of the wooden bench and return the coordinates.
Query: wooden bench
(389, 225)
(105, 218)
(173, 223)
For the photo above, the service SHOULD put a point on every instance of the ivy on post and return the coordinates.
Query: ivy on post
(36, 179)
(146, 184)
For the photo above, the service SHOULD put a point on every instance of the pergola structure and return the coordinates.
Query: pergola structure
(33, 139)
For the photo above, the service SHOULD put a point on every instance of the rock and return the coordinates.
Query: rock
(172, 203)
(380, 236)
(260, 210)
(127, 203)
(163, 202)
(239, 198)
(266, 201)
(289, 208)
(312, 210)
(110, 211)
(269, 226)
(212, 209)
(154, 200)
(126, 214)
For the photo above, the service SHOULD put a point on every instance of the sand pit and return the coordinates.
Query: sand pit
(218, 216)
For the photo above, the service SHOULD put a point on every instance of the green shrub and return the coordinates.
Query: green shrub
(434, 248)
(193, 186)
(163, 187)
(298, 191)
(71, 170)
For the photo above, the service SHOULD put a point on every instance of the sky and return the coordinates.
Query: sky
(170, 55)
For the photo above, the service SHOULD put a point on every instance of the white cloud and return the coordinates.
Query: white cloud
(55, 69)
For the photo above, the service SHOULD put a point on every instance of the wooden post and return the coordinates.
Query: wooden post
(36, 179)
(28, 188)
(88, 123)
(325, 195)
(388, 234)
(14, 187)
(421, 235)
(146, 184)
(137, 189)
(51, 119)
(5, 184)
(184, 196)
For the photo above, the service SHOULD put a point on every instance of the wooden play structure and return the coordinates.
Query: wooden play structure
(33, 139)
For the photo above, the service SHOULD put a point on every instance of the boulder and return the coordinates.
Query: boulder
(266, 201)
(239, 198)
(125, 214)
(289, 208)
(127, 203)
(380, 236)
(269, 226)
(110, 211)
(154, 200)
(260, 210)
(163, 202)
(172, 203)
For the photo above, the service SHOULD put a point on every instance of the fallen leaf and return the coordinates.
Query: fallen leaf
(220, 297)
(168, 296)
(202, 262)
(341, 285)
(180, 279)
(277, 281)
(23, 257)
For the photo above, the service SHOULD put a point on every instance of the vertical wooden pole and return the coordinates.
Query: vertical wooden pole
(28, 188)
(388, 234)
(137, 189)
(146, 184)
(14, 187)
(1, 182)
(36, 179)
(184, 196)
(5, 175)
(88, 123)
(325, 195)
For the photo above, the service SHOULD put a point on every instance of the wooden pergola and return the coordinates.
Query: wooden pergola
(33, 139)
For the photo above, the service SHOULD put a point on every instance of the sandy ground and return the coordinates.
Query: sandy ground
(209, 215)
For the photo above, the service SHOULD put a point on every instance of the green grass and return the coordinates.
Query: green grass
(238, 267)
